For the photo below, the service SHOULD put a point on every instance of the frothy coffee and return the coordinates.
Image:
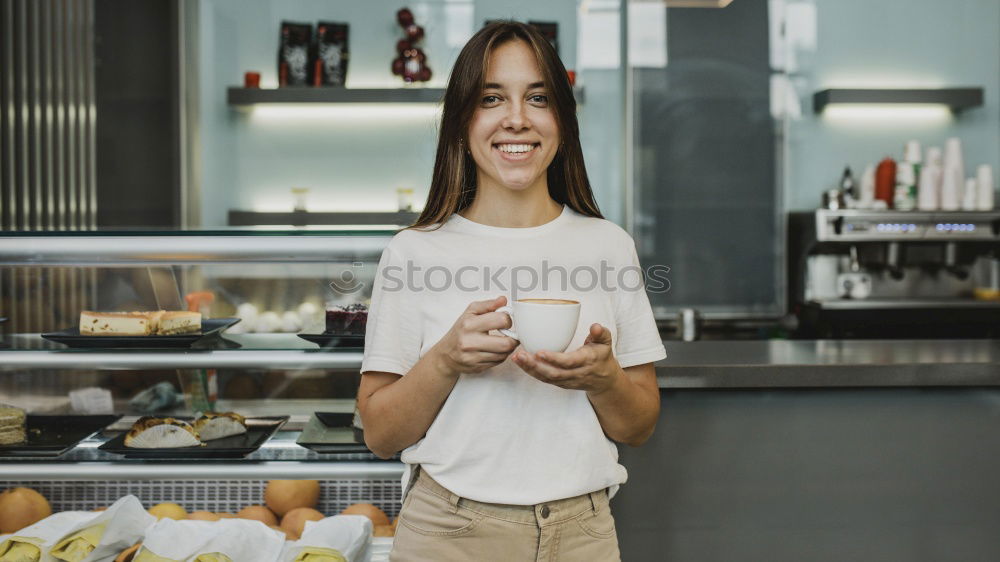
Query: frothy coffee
(547, 301)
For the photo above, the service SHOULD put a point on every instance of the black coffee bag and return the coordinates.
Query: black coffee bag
(332, 53)
(294, 54)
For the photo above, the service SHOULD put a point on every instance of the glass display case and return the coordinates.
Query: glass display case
(274, 359)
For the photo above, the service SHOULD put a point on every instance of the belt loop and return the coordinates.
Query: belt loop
(414, 474)
(594, 503)
(453, 499)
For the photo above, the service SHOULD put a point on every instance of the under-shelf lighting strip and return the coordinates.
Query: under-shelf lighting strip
(350, 112)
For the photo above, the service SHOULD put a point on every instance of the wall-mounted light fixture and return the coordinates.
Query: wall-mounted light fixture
(955, 99)
(697, 3)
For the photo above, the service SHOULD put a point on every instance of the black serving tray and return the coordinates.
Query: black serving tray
(259, 430)
(331, 440)
(335, 419)
(335, 340)
(51, 436)
(72, 337)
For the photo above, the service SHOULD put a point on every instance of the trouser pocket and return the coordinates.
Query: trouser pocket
(428, 514)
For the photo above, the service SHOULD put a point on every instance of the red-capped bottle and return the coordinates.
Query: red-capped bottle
(885, 181)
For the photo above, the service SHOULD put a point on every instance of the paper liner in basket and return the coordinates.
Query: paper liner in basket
(234, 540)
(341, 538)
(103, 535)
(32, 543)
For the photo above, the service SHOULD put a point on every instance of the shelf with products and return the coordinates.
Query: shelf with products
(248, 97)
(296, 441)
(398, 219)
(279, 458)
(47, 278)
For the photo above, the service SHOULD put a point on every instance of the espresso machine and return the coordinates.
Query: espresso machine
(894, 274)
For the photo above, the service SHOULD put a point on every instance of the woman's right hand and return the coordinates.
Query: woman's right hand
(468, 347)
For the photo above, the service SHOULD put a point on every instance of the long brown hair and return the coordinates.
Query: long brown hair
(453, 187)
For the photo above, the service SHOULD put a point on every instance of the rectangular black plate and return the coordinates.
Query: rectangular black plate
(259, 430)
(323, 439)
(72, 337)
(335, 419)
(51, 436)
(334, 340)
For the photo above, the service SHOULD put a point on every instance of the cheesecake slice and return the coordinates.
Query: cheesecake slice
(175, 322)
(119, 323)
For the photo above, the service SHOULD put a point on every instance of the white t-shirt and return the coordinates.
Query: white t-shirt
(503, 436)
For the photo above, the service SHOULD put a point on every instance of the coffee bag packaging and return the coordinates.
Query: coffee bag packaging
(330, 68)
(294, 54)
(549, 30)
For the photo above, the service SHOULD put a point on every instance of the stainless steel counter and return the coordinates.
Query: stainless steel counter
(829, 363)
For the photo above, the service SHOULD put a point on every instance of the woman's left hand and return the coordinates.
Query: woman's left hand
(592, 367)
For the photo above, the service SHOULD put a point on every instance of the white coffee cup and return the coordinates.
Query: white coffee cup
(543, 324)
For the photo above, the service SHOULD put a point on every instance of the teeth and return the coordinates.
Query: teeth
(515, 147)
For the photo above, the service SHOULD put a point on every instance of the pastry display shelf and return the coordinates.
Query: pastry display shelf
(256, 351)
(102, 248)
(279, 458)
(222, 470)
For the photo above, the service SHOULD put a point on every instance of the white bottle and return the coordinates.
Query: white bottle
(866, 196)
(928, 188)
(952, 183)
(953, 155)
(984, 188)
(970, 194)
(935, 161)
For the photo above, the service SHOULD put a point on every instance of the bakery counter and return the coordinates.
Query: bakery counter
(829, 363)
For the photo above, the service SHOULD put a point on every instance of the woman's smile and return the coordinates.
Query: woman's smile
(516, 151)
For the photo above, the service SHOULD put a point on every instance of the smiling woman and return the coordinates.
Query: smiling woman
(509, 454)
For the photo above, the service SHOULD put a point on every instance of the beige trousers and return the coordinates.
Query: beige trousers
(435, 525)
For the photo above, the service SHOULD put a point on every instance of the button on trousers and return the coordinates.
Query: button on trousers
(437, 525)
